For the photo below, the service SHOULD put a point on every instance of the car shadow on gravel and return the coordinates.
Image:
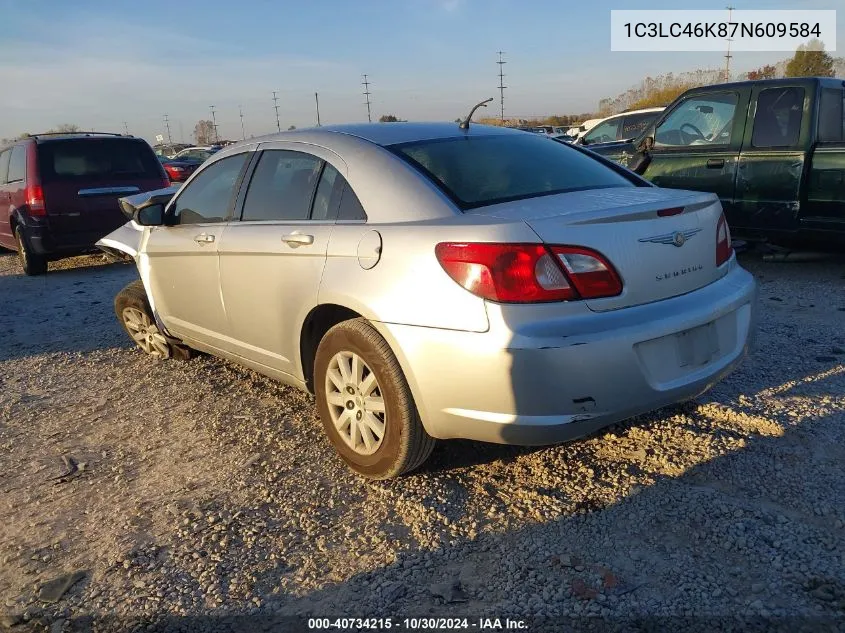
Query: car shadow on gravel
(728, 544)
(66, 311)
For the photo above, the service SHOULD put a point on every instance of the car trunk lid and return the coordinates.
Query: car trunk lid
(656, 256)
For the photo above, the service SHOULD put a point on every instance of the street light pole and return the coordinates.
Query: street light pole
(317, 100)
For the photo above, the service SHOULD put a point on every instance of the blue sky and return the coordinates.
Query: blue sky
(98, 63)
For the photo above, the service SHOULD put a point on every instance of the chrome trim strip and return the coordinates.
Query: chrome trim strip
(105, 191)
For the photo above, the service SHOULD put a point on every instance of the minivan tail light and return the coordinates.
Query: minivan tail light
(528, 273)
(34, 195)
(724, 250)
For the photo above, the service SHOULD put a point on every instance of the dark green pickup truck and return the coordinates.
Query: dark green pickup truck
(773, 150)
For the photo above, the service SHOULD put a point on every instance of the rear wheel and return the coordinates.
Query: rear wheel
(365, 404)
(135, 314)
(32, 263)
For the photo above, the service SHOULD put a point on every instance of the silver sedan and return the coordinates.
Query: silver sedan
(430, 282)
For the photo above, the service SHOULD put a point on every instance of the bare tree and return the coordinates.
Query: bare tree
(204, 132)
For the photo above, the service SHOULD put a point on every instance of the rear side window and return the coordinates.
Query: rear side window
(97, 159)
(4, 165)
(282, 186)
(635, 124)
(350, 207)
(777, 121)
(831, 116)
(17, 164)
(475, 171)
(604, 132)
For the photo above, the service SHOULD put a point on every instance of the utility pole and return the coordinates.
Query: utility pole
(367, 93)
(502, 85)
(214, 123)
(125, 128)
(317, 101)
(181, 133)
(728, 54)
(276, 105)
(243, 130)
(167, 125)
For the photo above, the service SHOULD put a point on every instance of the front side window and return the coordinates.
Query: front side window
(705, 120)
(777, 121)
(604, 132)
(475, 171)
(17, 164)
(208, 197)
(282, 186)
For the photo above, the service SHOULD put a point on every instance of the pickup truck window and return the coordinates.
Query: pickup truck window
(777, 120)
(604, 132)
(704, 120)
(831, 116)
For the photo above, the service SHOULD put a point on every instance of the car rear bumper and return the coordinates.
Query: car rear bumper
(562, 379)
(44, 240)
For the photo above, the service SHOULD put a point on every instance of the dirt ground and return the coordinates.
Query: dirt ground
(203, 490)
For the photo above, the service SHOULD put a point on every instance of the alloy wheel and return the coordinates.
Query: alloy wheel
(356, 403)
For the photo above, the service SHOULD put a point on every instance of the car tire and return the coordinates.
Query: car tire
(32, 263)
(136, 316)
(354, 409)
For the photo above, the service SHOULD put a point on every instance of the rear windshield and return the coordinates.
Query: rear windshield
(96, 159)
(476, 171)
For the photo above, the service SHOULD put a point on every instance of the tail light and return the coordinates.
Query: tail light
(528, 273)
(723, 241)
(34, 195)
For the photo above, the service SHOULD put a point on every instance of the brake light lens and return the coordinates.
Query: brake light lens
(35, 200)
(724, 250)
(528, 273)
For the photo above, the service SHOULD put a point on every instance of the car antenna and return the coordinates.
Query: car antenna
(464, 125)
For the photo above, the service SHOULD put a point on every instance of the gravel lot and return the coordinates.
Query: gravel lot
(205, 490)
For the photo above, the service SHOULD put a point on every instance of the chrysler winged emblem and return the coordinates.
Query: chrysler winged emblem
(676, 238)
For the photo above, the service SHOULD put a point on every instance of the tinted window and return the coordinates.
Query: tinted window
(350, 206)
(97, 159)
(604, 132)
(282, 186)
(4, 165)
(777, 121)
(701, 120)
(481, 170)
(831, 117)
(208, 196)
(635, 124)
(17, 164)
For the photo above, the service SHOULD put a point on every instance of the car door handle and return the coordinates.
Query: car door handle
(297, 239)
(715, 163)
(203, 238)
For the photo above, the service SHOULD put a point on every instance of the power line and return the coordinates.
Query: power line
(214, 123)
(276, 105)
(728, 54)
(243, 130)
(502, 85)
(367, 94)
(167, 125)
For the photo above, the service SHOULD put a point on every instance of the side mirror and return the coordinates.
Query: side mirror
(149, 215)
(646, 144)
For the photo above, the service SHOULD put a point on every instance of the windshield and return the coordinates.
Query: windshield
(484, 170)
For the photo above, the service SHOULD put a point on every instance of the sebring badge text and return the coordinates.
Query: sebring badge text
(678, 273)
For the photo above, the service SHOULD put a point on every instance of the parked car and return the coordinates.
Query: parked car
(169, 151)
(772, 150)
(620, 127)
(425, 281)
(59, 192)
(179, 170)
(197, 153)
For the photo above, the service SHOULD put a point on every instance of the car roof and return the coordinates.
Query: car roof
(791, 81)
(383, 134)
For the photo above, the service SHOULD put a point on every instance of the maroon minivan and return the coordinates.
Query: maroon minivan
(59, 192)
